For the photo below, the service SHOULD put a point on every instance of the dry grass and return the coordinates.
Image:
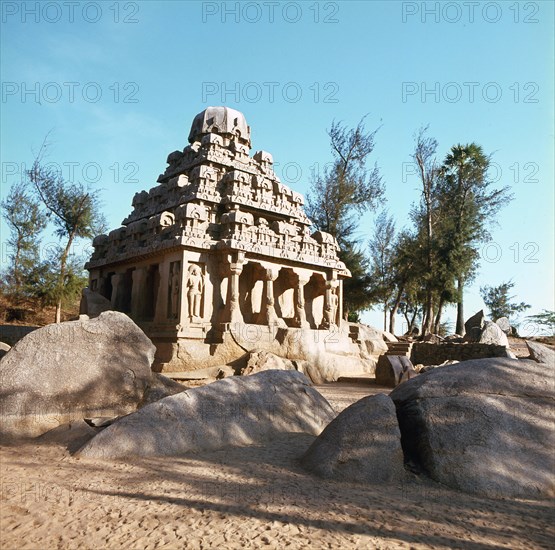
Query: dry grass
(31, 312)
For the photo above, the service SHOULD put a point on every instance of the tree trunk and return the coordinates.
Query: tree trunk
(428, 315)
(438, 315)
(385, 316)
(407, 320)
(394, 309)
(392, 321)
(411, 326)
(61, 279)
(459, 329)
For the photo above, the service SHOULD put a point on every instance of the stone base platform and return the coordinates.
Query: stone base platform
(324, 355)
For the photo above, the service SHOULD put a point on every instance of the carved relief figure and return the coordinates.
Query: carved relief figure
(195, 287)
(331, 307)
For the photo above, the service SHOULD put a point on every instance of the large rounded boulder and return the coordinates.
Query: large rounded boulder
(391, 370)
(540, 353)
(493, 334)
(362, 444)
(234, 412)
(79, 369)
(484, 426)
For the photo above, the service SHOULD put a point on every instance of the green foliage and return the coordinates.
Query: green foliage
(469, 207)
(339, 195)
(346, 187)
(357, 288)
(26, 222)
(546, 318)
(451, 219)
(74, 211)
(49, 289)
(499, 303)
(382, 249)
(445, 328)
(71, 207)
(354, 317)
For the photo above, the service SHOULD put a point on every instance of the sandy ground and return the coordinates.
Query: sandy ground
(255, 497)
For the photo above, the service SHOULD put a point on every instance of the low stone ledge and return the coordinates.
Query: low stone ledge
(425, 353)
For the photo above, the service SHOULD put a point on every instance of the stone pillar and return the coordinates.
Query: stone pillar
(183, 317)
(270, 275)
(235, 315)
(137, 292)
(300, 305)
(331, 304)
(340, 305)
(175, 290)
(161, 312)
(101, 285)
(116, 277)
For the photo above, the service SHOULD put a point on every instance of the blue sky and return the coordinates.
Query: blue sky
(118, 84)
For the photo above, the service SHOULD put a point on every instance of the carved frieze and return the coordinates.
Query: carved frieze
(262, 214)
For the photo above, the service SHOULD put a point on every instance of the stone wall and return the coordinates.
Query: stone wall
(434, 354)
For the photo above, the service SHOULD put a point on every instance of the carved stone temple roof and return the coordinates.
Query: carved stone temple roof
(220, 120)
(215, 196)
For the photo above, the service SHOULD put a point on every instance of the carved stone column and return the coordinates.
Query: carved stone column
(101, 286)
(183, 317)
(161, 313)
(235, 315)
(115, 288)
(340, 306)
(137, 292)
(300, 305)
(331, 304)
(270, 275)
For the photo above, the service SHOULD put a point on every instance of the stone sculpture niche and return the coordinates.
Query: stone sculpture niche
(195, 288)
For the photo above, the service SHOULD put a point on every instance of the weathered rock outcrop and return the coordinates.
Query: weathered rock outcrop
(473, 327)
(348, 350)
(540, 353)
(261, 360)
(362, 444)
(432, 339)
(492, 334)
(388, 337)
(93, 303)
(4, 348)
(484, 426)
(371, 340)
(79, 369)
(504, 324)
(160, 386)
(233, 412)
(391, 370)
(432, 367)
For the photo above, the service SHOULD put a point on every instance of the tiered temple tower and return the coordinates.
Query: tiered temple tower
(219, 242)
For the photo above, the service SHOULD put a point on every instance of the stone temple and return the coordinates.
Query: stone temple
(219, 258)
